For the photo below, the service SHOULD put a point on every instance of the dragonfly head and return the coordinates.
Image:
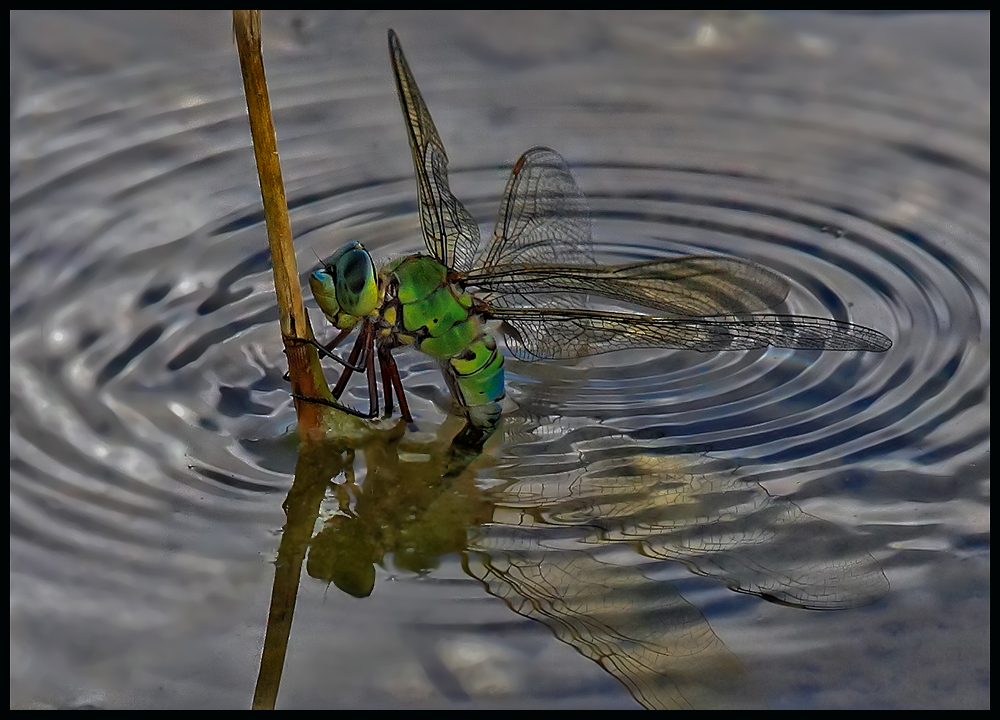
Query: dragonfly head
(346, 285)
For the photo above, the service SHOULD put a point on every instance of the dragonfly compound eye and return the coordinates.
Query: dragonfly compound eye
(357, 285)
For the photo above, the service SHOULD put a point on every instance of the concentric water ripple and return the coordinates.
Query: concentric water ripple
(150, 443)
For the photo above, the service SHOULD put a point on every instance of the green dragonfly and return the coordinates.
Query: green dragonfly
(534, 278)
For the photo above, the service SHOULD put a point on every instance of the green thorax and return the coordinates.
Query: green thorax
(421, 307)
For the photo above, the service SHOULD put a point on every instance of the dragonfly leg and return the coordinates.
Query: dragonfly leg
(334, 404)
(338, 338)
(390, 369)
(391, 383)
(326, 350)
(363, 344)
(345, 376)
(369, 331)
(386, 381)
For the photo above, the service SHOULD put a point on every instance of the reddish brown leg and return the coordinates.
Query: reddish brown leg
(369, 331)
(389, 368)
(327, 350)
(364, 343)
(391, 383)
(386, 386)
(345, 376)
(338, 339)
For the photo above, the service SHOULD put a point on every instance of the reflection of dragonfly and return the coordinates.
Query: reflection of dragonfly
(589, 540)
(533, 276)
(689, 509)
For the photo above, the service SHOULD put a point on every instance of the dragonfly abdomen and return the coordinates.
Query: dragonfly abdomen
(476, 380)
(422, 308)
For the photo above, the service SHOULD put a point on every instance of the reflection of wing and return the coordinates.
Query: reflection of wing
(639, 630)
(555, 333)
(698, 512)
(450, 233)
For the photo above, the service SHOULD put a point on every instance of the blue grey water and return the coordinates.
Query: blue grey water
(777, 528)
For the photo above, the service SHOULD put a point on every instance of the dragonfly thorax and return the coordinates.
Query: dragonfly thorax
(421, 307)
(346, 285)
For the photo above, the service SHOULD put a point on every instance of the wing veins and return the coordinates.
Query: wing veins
(689, 286)
(556, 333)
(451, 235)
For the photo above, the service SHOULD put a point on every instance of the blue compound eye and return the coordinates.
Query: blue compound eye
(356, 281)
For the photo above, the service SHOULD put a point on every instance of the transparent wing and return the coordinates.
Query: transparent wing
(450, 233)
(686, 286)
(543, 217)
(556, 333)
(542, 245)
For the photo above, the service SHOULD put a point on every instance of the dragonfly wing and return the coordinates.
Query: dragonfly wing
(543, 217)
(450, 232)
(542, 244)
(688, 286)
(555, 333)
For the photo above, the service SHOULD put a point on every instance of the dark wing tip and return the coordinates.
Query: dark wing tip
(849, 337)
(395, 48)
(877, 342)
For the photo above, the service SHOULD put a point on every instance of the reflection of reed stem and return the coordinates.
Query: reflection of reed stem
(304, 367)
(315, 421)
(313, 472)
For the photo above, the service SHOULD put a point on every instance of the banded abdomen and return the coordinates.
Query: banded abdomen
(421, 308)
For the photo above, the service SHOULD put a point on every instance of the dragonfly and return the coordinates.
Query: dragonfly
(534, 279)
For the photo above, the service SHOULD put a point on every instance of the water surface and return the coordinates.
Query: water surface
(783, 528)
